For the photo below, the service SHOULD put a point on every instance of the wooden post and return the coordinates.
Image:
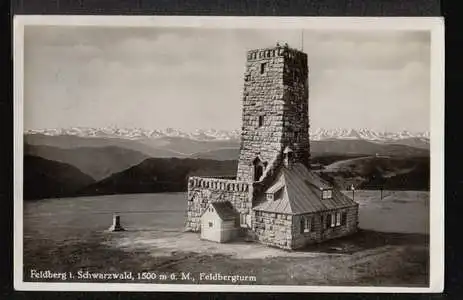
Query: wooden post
(116, 224)
(353, 192)
(381, 193)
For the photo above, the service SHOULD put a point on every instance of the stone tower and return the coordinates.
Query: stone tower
(275, 110)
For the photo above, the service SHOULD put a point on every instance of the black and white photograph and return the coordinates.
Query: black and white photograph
(229, 154)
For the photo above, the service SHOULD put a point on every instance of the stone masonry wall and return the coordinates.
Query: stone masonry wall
(279, 95)
(319, 233)
(296, 115)
(350, 227)
(272, 229)
(202, 191)
(284, 230)
(306, 238)
(262, 96)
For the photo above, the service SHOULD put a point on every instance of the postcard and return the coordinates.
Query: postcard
(241, 154)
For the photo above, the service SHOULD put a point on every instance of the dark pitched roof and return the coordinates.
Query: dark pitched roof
(225, 210)
(302, 194)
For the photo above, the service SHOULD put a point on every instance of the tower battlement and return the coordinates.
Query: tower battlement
(276, 51)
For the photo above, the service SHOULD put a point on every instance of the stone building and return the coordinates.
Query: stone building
(278, 200)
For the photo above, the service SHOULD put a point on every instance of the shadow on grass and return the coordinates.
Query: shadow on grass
(367, 239)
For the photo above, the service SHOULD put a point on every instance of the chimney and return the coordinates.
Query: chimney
(288, 157)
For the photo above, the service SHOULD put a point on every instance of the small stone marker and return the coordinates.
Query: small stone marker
(116, 224)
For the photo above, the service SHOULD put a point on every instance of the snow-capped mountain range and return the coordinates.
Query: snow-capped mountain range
(212, 134)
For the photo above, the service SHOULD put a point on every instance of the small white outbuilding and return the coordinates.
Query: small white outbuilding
(219, 222)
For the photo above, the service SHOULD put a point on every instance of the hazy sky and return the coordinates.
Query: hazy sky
(156, 78)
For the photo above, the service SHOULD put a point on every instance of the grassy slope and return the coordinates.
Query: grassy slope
(389, 172)
(45, 178)
(160, 175)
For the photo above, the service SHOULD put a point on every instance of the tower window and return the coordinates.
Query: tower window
(261, 121)
(258, 171)
(262, 67)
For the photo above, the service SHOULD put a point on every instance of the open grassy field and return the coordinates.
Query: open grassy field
(69, 235)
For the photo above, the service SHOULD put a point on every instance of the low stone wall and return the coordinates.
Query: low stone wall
(203, 190)
(272, 229)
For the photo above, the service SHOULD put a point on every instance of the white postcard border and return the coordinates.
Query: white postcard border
(433, 24)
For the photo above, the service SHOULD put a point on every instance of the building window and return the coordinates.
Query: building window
(211, 224)
(335, 220)
(262, 67)
(338, 219)
(243, 220)
(306, 224)
(296, 136)
(327, 194)
(328, 221)
(261, 121)
(269, 197)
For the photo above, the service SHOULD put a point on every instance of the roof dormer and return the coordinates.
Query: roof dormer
(327, 193)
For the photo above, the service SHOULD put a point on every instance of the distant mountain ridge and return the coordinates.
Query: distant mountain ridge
(218, 135)
(47, 179)
(98, 162)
